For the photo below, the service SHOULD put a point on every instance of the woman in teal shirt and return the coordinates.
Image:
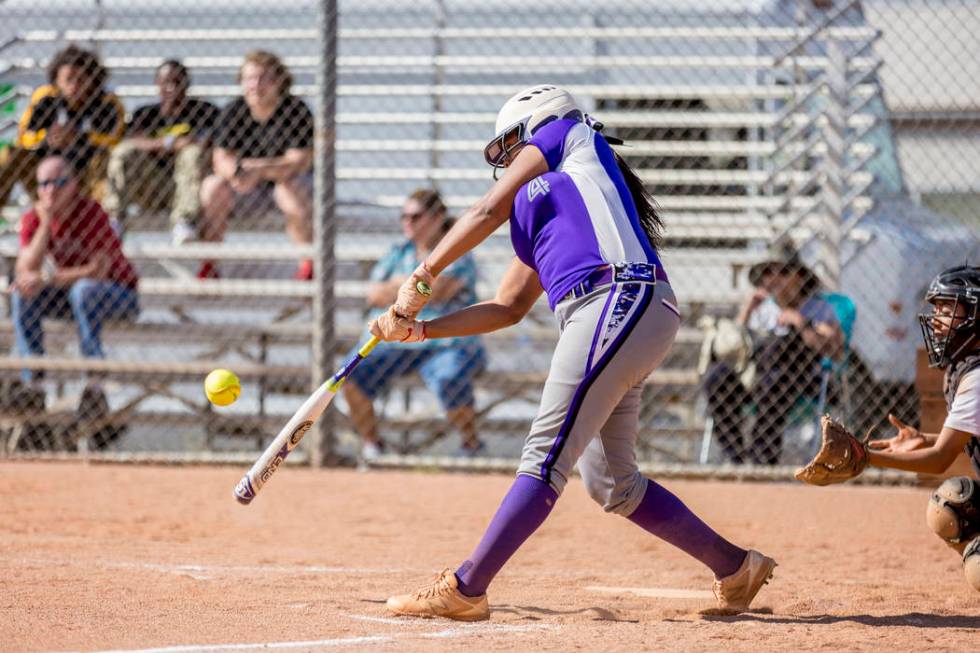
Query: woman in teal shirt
(446, 365)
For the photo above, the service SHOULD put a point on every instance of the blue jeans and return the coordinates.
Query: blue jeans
(89, 302)
(447, 371)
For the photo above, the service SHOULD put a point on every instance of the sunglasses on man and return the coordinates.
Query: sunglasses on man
(57, 182)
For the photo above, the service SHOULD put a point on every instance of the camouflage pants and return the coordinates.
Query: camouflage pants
(155, 180)
(19, 164)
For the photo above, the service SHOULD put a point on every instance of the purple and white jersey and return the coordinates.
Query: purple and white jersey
(578, 216)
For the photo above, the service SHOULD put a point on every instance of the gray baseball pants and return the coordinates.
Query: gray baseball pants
(610, 341)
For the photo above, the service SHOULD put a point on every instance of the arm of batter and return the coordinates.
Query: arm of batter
(475, 225)
(490, 211)
(518, 291)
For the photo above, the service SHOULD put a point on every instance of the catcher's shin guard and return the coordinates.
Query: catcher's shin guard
(953, 512)
(971, 563)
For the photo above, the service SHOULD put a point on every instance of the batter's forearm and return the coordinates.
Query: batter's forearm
(470, 230)
(472, 321)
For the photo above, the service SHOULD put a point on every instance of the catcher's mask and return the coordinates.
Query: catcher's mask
(957, 289)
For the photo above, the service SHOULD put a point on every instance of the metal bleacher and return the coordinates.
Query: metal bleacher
(736, 144)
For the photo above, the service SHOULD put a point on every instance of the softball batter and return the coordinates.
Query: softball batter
(585, 232)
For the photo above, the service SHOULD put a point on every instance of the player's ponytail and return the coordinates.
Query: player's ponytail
(646, 207)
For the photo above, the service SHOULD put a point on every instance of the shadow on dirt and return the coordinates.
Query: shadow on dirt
(913, 619)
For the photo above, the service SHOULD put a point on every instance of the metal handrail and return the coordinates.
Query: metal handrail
(408, 33)
(824, 26)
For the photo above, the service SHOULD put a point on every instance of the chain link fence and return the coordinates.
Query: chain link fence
(224, 195)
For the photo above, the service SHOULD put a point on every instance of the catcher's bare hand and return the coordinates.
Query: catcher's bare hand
(392, 327)
(841, 457)
(908, 438)
(414, 292)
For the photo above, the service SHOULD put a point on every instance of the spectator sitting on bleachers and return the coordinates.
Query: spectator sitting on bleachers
(70, 265)
(263, 143)
(448, 365)
(160, 162)
(74, 116)
(792, 329)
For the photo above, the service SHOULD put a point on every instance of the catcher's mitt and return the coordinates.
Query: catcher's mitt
(841, 457)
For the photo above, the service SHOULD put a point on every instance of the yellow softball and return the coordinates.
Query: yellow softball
(222, 387)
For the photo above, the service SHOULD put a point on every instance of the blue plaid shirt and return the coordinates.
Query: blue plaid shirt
(401, 260)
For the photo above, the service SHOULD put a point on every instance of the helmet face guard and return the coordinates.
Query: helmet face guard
(961, 332)
(497, 152)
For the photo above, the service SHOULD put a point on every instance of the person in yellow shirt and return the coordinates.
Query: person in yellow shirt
(72, 116)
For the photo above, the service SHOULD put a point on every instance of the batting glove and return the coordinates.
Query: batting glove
(391, 327)
(415, 292)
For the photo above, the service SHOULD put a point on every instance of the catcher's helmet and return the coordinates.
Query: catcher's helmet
(960, 288)
(525, 113)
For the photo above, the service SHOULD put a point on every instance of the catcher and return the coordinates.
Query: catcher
(952, 336)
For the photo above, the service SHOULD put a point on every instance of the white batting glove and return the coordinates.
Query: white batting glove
(392, 327)
(414, 292)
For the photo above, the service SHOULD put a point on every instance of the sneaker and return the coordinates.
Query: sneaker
(305, 270)
(183, 232)
(471, 451)
(208, 270)
(734, 593)
(93, 404)
(371, 451)
(441, 599)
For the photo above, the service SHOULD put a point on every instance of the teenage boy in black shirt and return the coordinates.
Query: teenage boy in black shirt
(160, 162)
(263, 143)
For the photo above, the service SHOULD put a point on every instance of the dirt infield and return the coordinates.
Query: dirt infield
(122, 557)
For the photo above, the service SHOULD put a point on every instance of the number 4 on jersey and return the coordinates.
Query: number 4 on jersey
(537, 187)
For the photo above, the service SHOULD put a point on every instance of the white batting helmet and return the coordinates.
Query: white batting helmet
(525, 113)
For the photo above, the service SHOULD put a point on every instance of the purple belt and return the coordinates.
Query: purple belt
(617, 273)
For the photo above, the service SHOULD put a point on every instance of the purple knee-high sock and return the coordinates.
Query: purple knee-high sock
(527, 504)
(666, 516)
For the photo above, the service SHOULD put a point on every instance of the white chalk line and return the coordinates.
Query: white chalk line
(307, 644)
(653, 592)
(464, 630)
(208, 572)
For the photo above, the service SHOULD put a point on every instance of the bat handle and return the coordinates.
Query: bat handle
(368, 346)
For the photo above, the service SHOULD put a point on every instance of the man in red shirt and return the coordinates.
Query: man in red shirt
(70, 265)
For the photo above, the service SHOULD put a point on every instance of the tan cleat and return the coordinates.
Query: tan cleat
(734, 593)
(441, 599)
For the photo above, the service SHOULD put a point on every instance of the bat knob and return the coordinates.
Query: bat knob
(244, 493)
(423, 288)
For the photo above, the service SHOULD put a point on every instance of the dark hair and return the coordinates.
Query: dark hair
(646, 207)
(178, 68)
(269, 60)
(431, 202)
(77, 57)
(811, 284)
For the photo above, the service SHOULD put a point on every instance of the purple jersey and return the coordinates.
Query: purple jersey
(578, 216)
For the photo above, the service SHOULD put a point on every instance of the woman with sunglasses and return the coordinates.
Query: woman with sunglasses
(447, 365)
(585, 232)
